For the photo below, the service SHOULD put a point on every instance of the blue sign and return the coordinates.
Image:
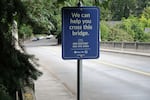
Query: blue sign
(80, 32)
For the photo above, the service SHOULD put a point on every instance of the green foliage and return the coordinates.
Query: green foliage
(70, 3)
(105, 14)
(133, 27)
(145, 21)
(116, 34)
(25, 31)
(146, 37)
(141, 5)
(146, 13)
(109, 33)
(15, 67)
(45, 15)
(3, 93)
(122, 8)
(130, 29)
(40, 14)
(104, 31)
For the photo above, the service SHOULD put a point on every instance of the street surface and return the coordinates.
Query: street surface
(113, 76)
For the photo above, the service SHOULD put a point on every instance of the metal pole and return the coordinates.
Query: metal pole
(79, 72)
(79, 79)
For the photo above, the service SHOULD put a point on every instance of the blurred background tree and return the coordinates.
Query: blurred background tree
(46, 15)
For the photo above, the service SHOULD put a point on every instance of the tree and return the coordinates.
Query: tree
(134, 27)
(25, 31)
(146, 13)
(40, 14)
(15, 67)
(141, 5)
(122, 8)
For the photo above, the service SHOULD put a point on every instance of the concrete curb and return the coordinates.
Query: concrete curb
(126, 52)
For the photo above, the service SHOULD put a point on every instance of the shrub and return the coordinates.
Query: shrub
(104, 31)
(146, 37)
(117, 34)
(25, 31)
(134, 27)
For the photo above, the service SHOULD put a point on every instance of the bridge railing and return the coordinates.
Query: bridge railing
(138, 46)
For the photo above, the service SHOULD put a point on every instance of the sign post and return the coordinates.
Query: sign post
(80, 37)
(79, 73)
(79, 79)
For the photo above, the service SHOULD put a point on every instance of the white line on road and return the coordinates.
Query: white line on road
(124, 68)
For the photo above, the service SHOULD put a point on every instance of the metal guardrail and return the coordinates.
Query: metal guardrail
(138, 46)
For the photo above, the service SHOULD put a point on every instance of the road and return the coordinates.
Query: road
(113, 76)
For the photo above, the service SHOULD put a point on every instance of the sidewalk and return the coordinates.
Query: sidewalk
(48, 87)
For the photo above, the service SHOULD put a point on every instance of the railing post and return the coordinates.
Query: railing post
(122, 45)
(136, 46)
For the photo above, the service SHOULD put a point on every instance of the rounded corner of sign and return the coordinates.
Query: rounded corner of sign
(97, 56)
(64, 58)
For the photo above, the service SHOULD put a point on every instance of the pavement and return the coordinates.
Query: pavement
(48, 87)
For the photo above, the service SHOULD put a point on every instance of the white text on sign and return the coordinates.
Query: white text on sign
(80, 24)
